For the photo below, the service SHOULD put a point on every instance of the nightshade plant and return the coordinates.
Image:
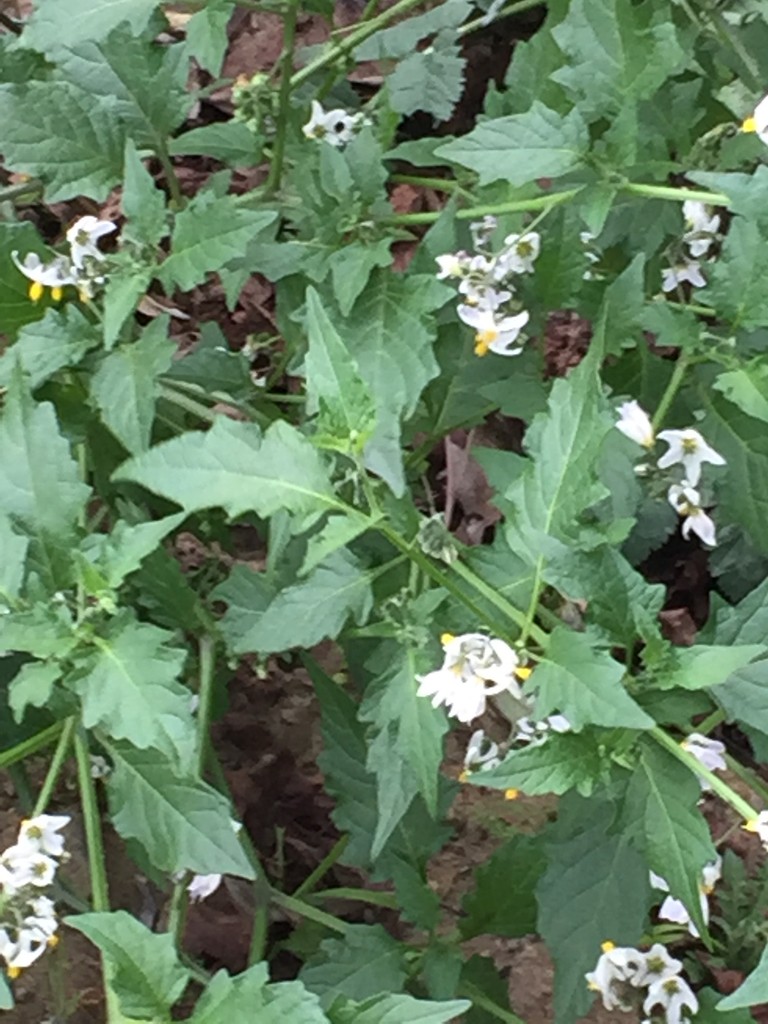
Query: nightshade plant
(620, 173)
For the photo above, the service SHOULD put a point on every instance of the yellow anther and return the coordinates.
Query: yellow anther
(36, 291)
(751, 826)
(523, 672)
(83, 295)
(14, 972)
(53, 941)
(483, 341)
(607, 946)
(511, 794)
(749, 124)
(463, 776)
(446, 638)
(593, 986)
(56, 293)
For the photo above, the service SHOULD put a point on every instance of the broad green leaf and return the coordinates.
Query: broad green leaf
(746, 387)
(183, 824)
(229, 141)
(213, 366)
(45, 631)
(563, 762)
(334, 387)
(351, 267)
(364, 963)
(300, 615)
(62, 136)
(59, 340)
(397, 1009)
(664, 822)
(753, 990)
(707, 665)
(584, 684)
(622, 309)
(124, 548)
(40, 485)
(744, 695)
(530, 74)
(129, 687)
(742, 623)
(122, 294)
(32, 686)
(595, 889)
(234, 466)
(14, 548)
(431, 80)
(16, 307)
(748, 193)
(142, 201)
(206, 35)
(399, 40)
(337, 532)
(142, 966)
(522, 147)
(208, 233)
(240, 998)
(125, 386)
(6, 995)
(502, 900)
(618, 53)
(711, 1010)
(737, 277)
(56, 24)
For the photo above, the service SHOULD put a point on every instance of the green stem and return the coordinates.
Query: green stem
(711, 722)
(35, 743)
(470, 212)
(756, 784)
(677, 195)
(59, 757)
(177, 914)
(377, 899)
(31, 188)
(323, 867)
(750, 72)
(206, 650)
(303, 909)
(161, 151)
(500, 602)
(484, 1002)
(258, 946)
(439, 184)
(514, 8)
(284, 97)
(673, 386)
(187, 404)
(718, 786)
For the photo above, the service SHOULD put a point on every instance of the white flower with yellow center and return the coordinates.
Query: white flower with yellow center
(657, 965)
(686, 501)
(21, 952)
(702, 227)
(759, 826)
(689, 271)
(42, 834)
(688, 448)
(758, 121)
(83, 236)
(336, 127)
(634, 422)
(54, 275)
(616, 973)
(673, 995)
(474, 668)
(520, 252)
(452, 264)
(492, 334)
(707, 752)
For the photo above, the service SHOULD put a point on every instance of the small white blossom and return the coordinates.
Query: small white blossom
(22, 952)
(686, 501)
(499, 336)
(758, 122)
(203, 886)
(83, 236)
(532, 732)
(674, 910)
(657, 965)
(54, 275)
(688, 448)
(706, 751)
(689, 271)
(520, 252)
(673, 995)
(336, 127)
(617, 970)
(452, 264)
(635, 424)
(474, 668)
(481, 753)
(702, 227)
(482, 295)
(482, 230)
(759, 826)
(42, 834)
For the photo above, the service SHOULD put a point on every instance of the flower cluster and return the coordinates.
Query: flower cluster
(81, 268)
(688, 449)
(622, 973)
(28, 922)
(336, 127)
(701, 228)
(486, 283)
(674, 910)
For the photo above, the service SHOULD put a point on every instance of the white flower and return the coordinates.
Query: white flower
(475, 667)
(759, 826)
(24, 950)
(702, 226)
(706, 751)
(494, 335)
(203, 886)
(29, 867)
(657, 964)
(481, 753)
(482, 230)
(674, 910)
(758, 122)
(42, 833)
(673, 995)
(452, 264)
(54, 275)
(529, 731)
(482, 295)
(618, 969)
(83, 236)
(688, 448)
(686, 502)
(336, 127)
(635, 424)
(520, 253)
(689, 271)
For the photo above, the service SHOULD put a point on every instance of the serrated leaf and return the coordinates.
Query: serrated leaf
(522, 147)
(337, 532)
(397, 1009)
(502, 901)
(213, 366)
(208, 233)
(124, 548)
(736, 280)
(707, 665)
(56, 24)
(206, 39)
(431, 80)
(746, 387)
(584, 684)
(142, 967)
(237, 468)
(129, 687)
(563, 762)
(125, 386)
(399, 40)
(753, 990)
(14, 548)
(182, 824)
(62, 136)
(364, 963)
(300, 615)
(232, 142)
(45, 631)
(748, 193)
(40, 485)
(32, 686)
(239, 998)
(351, 267)
(142, 201)
(59, 340)
(122, 294)
(666, 825)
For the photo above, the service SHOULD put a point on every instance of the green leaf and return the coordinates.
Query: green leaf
(710, 1010)
(399, 40)
(622, 309)
(208, 233)
(595, 889)
(16, 307)
(748, 193)
(747, 388)
(338, 531)
(142, 967)
(753, 990)
(300, 615)
(59, 340)
(121, 296)
(347, 413)
(351, 267)
(247, 996)
(62, 136)
(14, 548)
(32, 686)
(142, 201)
(584, 684)
(563, 762)
(56, 24)
(207, 35)
(736, 288)
(45, 631)
(522, 147)
(213, 366)
(129, 687)
(6, 995)
(182, 824)
(125, 386)
(664, 822)
(707, 665)
(364, 963)
(503, 901)
(40, 485)
(237, 468)
(397, 1009)
(617, 53)
(431, 80)
(124, 548)
(229, 141)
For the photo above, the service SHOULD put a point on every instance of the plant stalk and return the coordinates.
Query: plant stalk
(673, 386)
(284, 97)
(57, 762)
(35, 743)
